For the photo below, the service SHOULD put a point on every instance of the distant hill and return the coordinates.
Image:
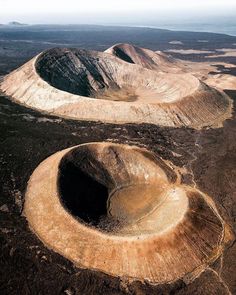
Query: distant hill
(14, 23)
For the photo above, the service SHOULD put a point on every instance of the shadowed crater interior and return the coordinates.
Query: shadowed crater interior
(85, 185)
(104, 187)
(81, 194)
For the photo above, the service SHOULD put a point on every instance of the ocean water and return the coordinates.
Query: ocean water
(221, 24)
(225, 28)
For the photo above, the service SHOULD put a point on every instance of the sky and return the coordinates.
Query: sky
(110, 11)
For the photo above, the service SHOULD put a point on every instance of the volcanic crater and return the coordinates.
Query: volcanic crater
(120, 210)
(124, 84)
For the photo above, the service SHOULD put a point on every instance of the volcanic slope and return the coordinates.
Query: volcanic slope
(125, 84)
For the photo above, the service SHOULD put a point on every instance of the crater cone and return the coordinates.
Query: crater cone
(120, 210)
(122, 85)
(146, 58)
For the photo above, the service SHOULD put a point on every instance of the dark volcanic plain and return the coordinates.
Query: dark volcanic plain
(27, 137)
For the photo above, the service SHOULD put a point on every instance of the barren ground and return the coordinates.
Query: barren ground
(27, 137)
